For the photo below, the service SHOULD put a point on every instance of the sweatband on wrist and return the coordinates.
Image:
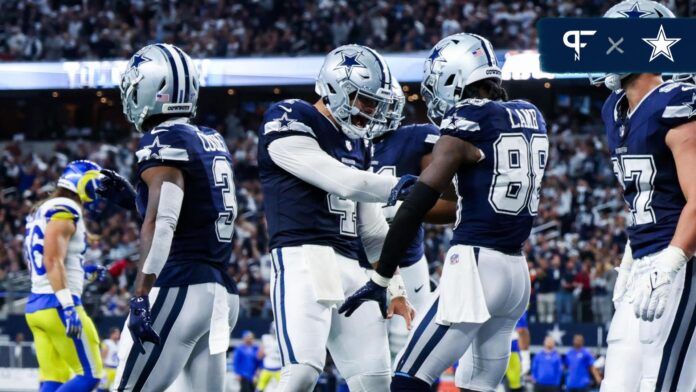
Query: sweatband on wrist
(380, 280)
(65, 298)
(397, 288)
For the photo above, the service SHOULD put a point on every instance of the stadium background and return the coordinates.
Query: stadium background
(578, 235)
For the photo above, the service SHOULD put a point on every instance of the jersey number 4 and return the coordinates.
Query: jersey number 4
(224, 179)
(518, 169)
(640, 169)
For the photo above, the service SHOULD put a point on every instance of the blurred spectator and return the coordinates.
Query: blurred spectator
(547, 284)
(547, 368)
(246, 361)
(580, 364)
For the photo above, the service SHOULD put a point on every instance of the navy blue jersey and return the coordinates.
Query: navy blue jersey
(297, 212)
(202, 243)
(398, 153)
(499, 196)
(644, 164)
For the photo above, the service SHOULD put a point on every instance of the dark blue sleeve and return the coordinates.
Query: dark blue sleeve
(424, 137)
(165, 147)
(286, 119)
(681, 107)
(464, 122)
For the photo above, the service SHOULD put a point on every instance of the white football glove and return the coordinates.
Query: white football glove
(652, 290)
(624, 270)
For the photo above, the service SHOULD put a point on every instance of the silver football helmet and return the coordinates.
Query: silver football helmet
(160, 79)
(395, 112)
(353, 73)
(630, 9)
(455, 62)
(684, 77)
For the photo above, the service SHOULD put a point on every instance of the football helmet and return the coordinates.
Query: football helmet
(395, 112)
(81, 177)
(455, 62)
(160, 79)
(630, 9)
(351, 73)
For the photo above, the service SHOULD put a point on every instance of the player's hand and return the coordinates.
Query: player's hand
(403, 308)
(73, 325)
(116, 189)
(371, 291)
(652, 290)
(95, 273)
(402, 188)
(140, 324)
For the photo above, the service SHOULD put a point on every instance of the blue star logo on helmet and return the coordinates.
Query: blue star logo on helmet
(635, 12)
(350, 61)
(436, 56)
(139, 59)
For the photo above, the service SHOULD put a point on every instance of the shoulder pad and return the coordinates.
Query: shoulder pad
(289, 115)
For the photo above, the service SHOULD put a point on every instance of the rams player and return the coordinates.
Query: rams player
(312, 163)
(495, 150)
(186, 195)
(67, 343)
(650, 132)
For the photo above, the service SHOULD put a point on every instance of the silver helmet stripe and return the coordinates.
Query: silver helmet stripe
(187, 76)
(175, 72)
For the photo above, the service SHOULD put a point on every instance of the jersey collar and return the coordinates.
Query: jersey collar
(635, 109)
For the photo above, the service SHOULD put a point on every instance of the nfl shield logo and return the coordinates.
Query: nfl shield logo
(349, 145)
(454, 259)
(622, 130)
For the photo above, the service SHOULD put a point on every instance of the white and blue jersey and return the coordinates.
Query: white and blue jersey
(643, 163)
(499, 196)
(297, 212)
(202, 243)
(398, 153)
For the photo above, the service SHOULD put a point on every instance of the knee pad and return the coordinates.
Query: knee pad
(404, 383)
(298, 377)
(369, 382)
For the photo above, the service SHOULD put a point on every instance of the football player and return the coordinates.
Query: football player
(495, 150)
(318, 200)
(650, 127)
(67, 343)
(186, 195)
(398, 150)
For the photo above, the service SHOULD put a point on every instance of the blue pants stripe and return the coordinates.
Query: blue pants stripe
(429, 347)
(417, 334)
(164, 333)
(134, 353)
(281, 269)
(276, 316)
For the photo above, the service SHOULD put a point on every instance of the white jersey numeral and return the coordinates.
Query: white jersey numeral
(518, 170)
(223, 177)
(641, 170)
(346, 210)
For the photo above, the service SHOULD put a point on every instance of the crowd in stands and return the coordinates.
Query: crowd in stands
(579, 234)
(101, 29)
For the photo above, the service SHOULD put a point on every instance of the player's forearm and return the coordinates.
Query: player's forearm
(405, 227)
(55, 272)
(685, 234)
(143, 281)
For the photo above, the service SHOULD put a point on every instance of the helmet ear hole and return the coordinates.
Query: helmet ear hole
(134, 94)
(331, 89)
(162, 84)
(450, 80)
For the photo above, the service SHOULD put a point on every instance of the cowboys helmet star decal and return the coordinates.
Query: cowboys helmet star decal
(349, 61)
(635, 12)
(436, 55)
(139, 59)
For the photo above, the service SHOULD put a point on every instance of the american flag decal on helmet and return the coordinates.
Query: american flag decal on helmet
(478, 52)
(162, 97)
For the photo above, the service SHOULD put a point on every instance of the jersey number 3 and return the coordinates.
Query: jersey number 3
(519, 167)
(222, 174)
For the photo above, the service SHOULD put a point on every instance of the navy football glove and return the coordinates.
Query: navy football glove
(139, 323)
(402, 188)
(73, 325)
(95, 273)
(116, 189)
(371, 291)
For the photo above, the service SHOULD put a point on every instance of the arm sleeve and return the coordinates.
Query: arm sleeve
(171, 198)
(303, 157)
(372, 228)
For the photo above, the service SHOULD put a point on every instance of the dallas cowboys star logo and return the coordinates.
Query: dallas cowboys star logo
(635, 12)
(691, 105)
(661, 45)
(139, 59)
(350, 61)
(436, 56)
(284, 121)
(155, 148)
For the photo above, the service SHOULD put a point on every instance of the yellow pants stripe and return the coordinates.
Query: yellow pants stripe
(59, 356)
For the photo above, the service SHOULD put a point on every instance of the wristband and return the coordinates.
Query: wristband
(380, 280)
(397, 288)
(65, 298)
